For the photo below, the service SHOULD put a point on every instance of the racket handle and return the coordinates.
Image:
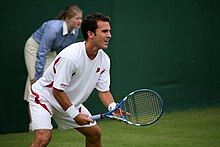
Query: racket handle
(96, 117)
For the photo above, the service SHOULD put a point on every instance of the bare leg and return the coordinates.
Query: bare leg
(42, 138)
(93, 136)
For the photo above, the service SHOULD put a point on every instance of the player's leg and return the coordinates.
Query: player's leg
(92, 134)
(41, 120)
(42, 138)
(41, 123)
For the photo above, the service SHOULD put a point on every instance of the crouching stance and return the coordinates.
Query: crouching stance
(69, 80)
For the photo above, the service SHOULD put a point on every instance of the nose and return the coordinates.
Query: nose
(80, 21)
(109, 35)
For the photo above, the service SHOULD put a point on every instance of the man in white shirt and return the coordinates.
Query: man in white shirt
(69, 81)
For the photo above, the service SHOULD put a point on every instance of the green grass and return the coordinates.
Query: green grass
(193, 128)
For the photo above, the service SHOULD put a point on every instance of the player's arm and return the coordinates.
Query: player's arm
(66, 104)
(62, 98)
(107, 99)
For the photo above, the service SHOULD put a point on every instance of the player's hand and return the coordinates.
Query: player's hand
(83, 119)
(118, 113)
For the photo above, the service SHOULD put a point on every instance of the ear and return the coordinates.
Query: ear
(90, 34)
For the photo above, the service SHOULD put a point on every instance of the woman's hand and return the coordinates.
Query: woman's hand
(32, 81)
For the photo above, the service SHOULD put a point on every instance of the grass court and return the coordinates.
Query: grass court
(191, 128)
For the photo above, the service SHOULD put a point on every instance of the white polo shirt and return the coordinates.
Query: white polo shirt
(76, 74)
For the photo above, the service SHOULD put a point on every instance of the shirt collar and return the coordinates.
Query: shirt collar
(65, 29)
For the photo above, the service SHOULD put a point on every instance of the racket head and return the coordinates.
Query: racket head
(142, 107)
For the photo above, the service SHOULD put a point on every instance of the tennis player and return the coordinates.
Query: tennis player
(69, 81)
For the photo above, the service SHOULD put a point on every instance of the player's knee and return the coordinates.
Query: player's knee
(42, 139)
(94, 135)
(45, 141)
(97, 135)
(98, 132)
(40, 142)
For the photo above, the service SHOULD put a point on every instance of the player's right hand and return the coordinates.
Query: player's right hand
(83, 119)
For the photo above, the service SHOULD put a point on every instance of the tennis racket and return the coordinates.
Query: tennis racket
(142, 107)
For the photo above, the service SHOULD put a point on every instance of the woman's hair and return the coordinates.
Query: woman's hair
(69, 12)
(90, 23)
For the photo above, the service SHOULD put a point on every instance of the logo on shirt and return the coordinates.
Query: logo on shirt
(97, 70)
(63, 85)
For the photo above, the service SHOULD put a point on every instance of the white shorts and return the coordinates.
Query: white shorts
(42, 112)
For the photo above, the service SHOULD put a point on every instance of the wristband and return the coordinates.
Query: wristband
(111, 106)
(72, 111)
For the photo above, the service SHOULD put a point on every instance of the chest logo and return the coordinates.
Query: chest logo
(97, 70)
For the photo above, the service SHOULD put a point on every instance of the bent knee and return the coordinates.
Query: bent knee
(98, 132)
(94, 136)
(44, 141)
(42, 138)
(95, 131)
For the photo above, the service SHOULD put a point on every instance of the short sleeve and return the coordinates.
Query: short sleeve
(104, 79)
(63, 68)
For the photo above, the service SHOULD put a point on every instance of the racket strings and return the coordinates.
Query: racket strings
(143, 107)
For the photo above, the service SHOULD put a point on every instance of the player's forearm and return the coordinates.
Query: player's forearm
(65, 103)
(106, 98)
(62, 98)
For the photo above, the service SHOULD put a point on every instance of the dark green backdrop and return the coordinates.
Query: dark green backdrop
(169, 46)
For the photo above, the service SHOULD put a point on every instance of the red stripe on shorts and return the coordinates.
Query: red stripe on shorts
(38, 102)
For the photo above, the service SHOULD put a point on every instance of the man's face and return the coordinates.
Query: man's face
(102, 35)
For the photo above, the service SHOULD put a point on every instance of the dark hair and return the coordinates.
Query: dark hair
(69, 12)
(90, 23)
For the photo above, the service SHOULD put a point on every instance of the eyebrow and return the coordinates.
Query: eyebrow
(106, 30)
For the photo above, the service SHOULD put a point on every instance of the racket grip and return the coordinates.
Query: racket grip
(96, 117)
